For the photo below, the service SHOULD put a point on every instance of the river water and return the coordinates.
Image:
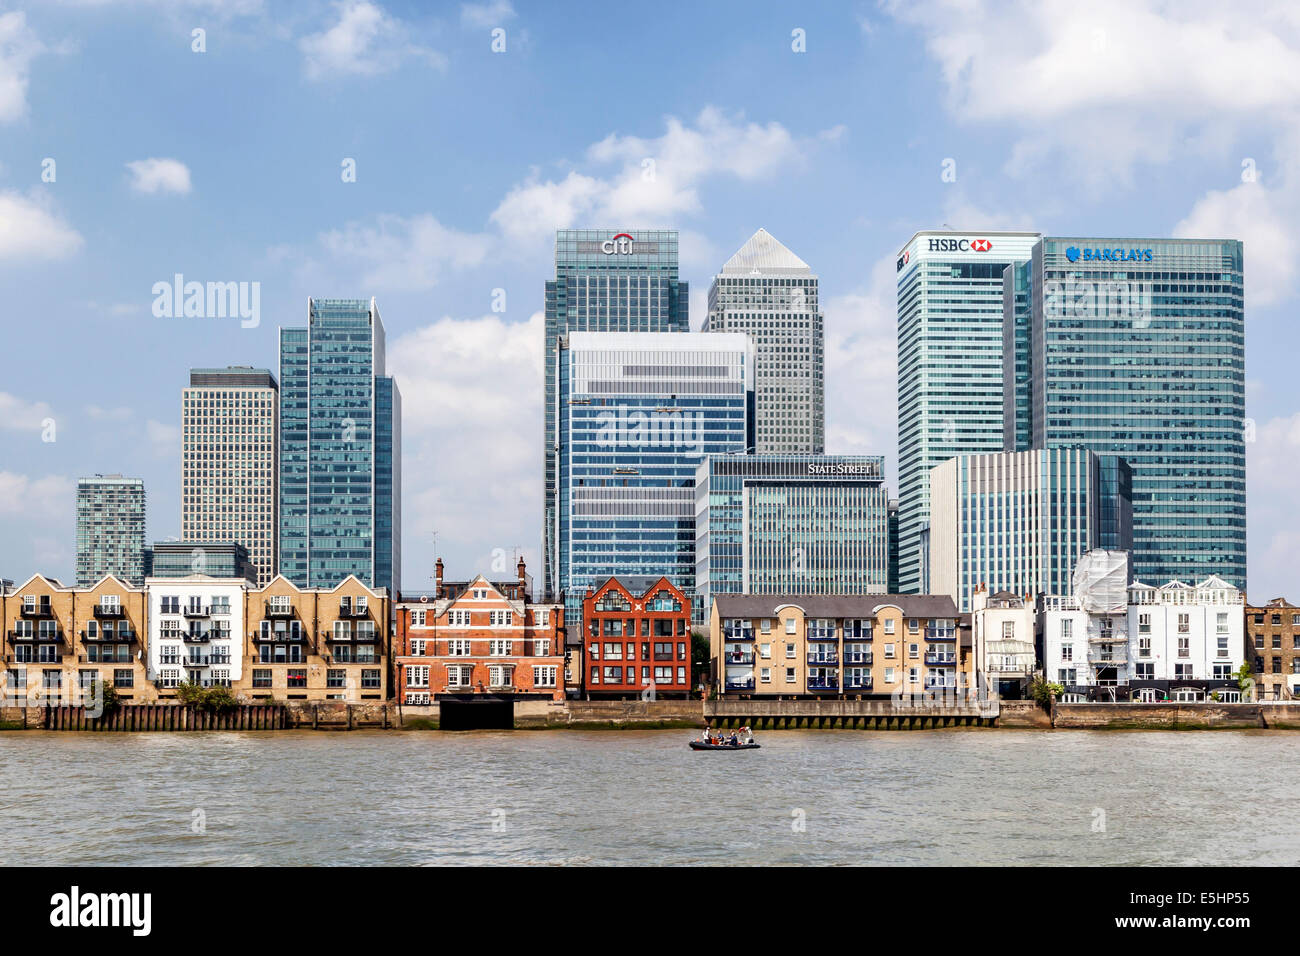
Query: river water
(974, 796)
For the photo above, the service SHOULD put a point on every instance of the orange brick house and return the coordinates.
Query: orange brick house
(478, 638)
(636, 639)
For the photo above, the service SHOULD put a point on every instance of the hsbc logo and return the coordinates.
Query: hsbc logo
(620, 245)
(960, 245)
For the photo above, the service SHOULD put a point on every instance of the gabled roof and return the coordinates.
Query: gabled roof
(763, 254)
(835, 605)
(52, 582)
(1214, 581)
(637, 585)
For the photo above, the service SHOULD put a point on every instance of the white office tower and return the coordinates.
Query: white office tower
(770, 293)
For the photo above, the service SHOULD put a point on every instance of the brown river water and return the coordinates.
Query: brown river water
(1061, 798)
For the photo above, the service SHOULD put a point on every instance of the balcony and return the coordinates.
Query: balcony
(202, 637)
(39, 637)
(858, 657)
(858, 683)
(822, 684)
(743, 684)
(746, 635)
(42, 609)
(353, 611)
(110, 637)
(940, 634)
(1109, 657)
(109, 611)
(823, 660)
(822, 636)
(196, 662)
(739, 657)
(196, 611)
(280, 610)
(940, 685)
(941, 660)
(281, 637)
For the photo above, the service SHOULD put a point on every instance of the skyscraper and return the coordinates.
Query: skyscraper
(110, 529)
(1019, 521)
(770, 293)
(637, 413)
(1136, 347)
(605, 281)
(229, 461)
(790, 524)
(340, 449)
(950, 399)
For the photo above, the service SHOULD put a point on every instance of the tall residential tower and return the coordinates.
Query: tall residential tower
(110, 529)
(229, 461)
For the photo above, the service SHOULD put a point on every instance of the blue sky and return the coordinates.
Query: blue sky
(224, 165)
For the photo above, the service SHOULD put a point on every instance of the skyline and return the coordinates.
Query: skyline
(83, 252)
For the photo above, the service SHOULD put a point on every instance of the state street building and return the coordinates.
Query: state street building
(790, 524)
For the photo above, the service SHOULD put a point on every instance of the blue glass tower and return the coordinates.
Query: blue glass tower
(637, 412)
(605, 281)
(1136, 348)
(340, 449)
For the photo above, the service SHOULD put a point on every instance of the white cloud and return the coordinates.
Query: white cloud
(30, 229)
(471, 430)
(52, 496)
(485, 16)
(1107, 84)
(405, 253)
(158, 175)
(655, 182)
(101, 414)
(1260, 218)
(365, 41)
(18, 47)
(19, 415)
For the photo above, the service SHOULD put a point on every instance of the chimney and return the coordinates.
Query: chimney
(437, 579)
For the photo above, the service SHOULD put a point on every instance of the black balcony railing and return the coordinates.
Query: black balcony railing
(39, 637)
(280, 610)
(109, 610)
(353, 611)
(192, 610)
(41, 609)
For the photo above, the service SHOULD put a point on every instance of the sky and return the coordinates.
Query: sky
(424, 154)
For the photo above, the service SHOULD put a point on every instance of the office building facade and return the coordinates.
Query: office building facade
(950, 357)
(340, 449)
(767, 291)
(1136, 348)
(230, 439)
(1016, 521)
(110, 529)
(790, 524)
(637, 412)
(605, 280)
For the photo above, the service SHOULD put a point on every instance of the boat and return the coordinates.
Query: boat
(744, 741)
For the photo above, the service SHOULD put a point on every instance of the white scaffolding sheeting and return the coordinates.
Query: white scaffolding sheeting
(1101, 581)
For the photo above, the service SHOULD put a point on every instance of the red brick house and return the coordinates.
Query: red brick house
(636, 639)
(478, 638)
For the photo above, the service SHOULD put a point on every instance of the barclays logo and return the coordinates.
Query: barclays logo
(1075, 254)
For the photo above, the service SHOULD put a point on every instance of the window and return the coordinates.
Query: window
(913, 625)
(889, 675)
(1144, 623)
(789, 675)
(1144, 647)
(336, 677)
(541, 616)
(913, 651)
(1184, 623)
(261, 677)
(1067, 676)
(1221, 623)
(417, 646)
(499, 648)
(1067, 629)
(765, 675)
(1145, 670)
(123, 677)
(544, 675)
(460, 675)
(541, 648)
(1184, 646)
(417, 675)
(889, 650)
(1008, 630)
(296, 677)
(889, 625)
(789, 652)
(458, 647)
(1067, 652)
(342, 630)
(417, 617)
(789, 625)
(613, 652)
(1223, 647)
(913, 675)
(765, 625)
(370, 679)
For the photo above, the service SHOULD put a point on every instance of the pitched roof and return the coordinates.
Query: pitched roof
(765, 255)
(835, 605)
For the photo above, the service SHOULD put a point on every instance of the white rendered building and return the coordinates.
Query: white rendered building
(196, 630)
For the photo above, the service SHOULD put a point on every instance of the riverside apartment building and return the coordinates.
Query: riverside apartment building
(479, 638)
(637, 639)
(828, 646)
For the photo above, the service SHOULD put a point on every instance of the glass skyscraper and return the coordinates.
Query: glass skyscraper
(1019, 521)
(950, 397)
(637, 411)
(110, 529)
(790, 524)
(340, 449)
(770, 293)
(1136, 347)
(605, 281)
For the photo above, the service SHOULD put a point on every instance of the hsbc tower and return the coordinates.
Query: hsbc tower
(950, 395)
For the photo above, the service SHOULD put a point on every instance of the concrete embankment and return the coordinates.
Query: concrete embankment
(1207, 715)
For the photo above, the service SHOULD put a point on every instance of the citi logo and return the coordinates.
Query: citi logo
(75, 909)
(960, 245)
(620, 245)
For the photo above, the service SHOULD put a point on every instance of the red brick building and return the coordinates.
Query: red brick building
(637, 636)
(479, 638)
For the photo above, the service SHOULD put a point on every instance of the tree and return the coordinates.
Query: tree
(1246, 681)
(700, 652)
(1044, 690)
(107, 695)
